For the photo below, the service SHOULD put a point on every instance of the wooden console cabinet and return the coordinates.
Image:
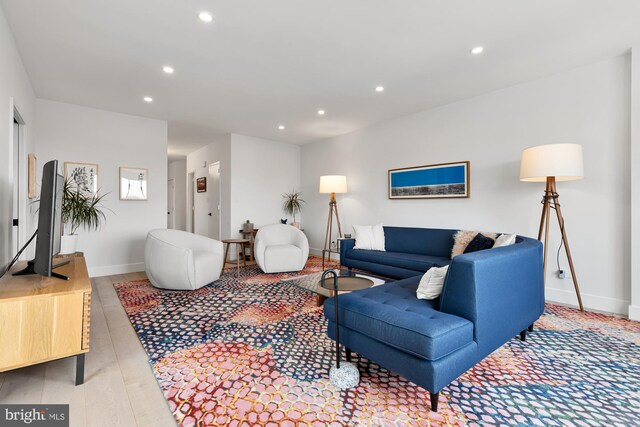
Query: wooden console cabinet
(44, 318)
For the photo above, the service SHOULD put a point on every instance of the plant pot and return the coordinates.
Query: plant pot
(296, 224)
(68, 244)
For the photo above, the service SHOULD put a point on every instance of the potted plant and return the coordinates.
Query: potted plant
(79, 210)
(292, 205)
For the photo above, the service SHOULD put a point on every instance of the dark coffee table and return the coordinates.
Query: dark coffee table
(311, 282)
(347, 281)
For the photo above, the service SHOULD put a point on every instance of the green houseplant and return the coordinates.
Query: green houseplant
(79, 210)
(292, 205)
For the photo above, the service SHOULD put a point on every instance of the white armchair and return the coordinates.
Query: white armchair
(279, 248)
(179, 260)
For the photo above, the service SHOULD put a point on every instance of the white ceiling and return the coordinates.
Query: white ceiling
(264, 63)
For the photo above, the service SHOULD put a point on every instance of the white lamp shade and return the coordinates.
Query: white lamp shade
(333, 184)
(563, 161)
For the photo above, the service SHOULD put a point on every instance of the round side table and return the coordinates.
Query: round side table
(239, 251)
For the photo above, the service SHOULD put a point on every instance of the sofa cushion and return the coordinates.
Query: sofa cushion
(421, 241)
(398, 259)
(392, 314)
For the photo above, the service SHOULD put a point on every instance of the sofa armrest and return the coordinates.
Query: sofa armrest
(346, 245)
(500, 290)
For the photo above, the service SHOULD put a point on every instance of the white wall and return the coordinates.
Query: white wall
(79, 134)
(589, 105)
(218, 151)
(177, 171)
(15, 90)
(261, 171)
(634, 307)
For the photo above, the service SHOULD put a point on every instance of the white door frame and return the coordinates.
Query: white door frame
(171, 203)
(219, 208)
(191, 183)
(22, 177)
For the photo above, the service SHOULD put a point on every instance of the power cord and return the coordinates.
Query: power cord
(17, 257)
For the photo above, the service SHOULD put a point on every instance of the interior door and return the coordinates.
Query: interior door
(15, 230)
(213, 200)
(171, 204)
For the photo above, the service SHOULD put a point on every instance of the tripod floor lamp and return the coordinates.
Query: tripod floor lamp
(552, 163)
(332, 184)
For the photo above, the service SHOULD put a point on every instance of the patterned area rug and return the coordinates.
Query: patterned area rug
(253, 351)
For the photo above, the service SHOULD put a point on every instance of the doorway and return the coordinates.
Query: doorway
(191, 202)
(17, 164)
(171, 204)
(213, 200)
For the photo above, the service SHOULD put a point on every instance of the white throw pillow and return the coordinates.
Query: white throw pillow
(505, 240)
(369, 237)
(431, 284)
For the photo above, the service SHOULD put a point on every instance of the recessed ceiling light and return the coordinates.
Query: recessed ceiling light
(477, 50)
(321, 112)
(167, 69)
(379, 88)
(148, 99)
(281, 127)
(205, 16)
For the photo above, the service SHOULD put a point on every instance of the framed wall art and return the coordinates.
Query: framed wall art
(201, 184)
(133, 183)
(445, 180)
(83, 176)
(31, 180)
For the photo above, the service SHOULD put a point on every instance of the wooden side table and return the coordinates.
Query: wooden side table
(252, 238)
(239, 251)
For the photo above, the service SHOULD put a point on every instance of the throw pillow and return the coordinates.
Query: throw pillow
(505, 240)
(462, 239)
(431, 284)
(479, 243)
(369, 237)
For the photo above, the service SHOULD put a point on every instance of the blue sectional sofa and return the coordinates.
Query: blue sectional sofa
(489, 297)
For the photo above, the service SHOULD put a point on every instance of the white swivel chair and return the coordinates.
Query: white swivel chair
(279, 248)
(183, 261)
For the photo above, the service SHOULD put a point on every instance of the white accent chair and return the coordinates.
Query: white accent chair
(279, 248)
(183, 261)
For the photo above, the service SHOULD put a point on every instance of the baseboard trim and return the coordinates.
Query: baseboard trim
(109, 270)
(318, 252)
(634, 312)
(592, 302)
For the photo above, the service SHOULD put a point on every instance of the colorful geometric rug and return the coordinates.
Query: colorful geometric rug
(253, 351)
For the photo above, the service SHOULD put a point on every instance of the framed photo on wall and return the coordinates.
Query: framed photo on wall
(31, 181)
(83, 176)
(201, 184)
(133, 183)
(439, 181)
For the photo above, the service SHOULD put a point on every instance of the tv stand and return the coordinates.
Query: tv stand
(43, 318)
(29, 270)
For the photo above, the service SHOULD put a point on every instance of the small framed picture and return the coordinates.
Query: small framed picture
(82, 176)
(31, 181)
(133, 183)
(440, 181)
(201, 184)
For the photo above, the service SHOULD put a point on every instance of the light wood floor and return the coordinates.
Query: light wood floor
(119, 388)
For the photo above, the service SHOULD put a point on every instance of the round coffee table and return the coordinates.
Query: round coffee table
(343, 280)
(347, 281)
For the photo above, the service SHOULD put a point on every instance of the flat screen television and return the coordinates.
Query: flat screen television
(49, 232)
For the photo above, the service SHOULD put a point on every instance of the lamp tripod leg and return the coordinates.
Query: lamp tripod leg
(565, 240)
(338, 221)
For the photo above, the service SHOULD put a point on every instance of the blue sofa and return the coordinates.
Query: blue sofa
(408, 252)
(489, 297)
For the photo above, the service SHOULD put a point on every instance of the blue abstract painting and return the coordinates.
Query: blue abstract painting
(430, 182)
